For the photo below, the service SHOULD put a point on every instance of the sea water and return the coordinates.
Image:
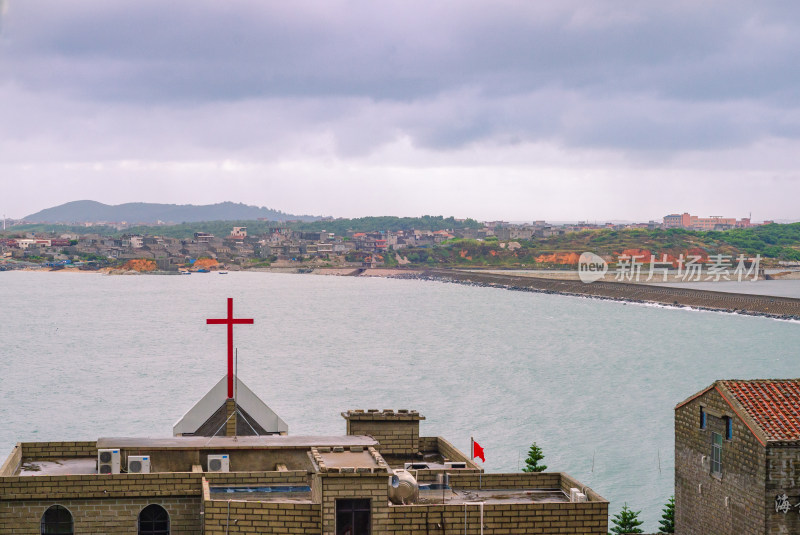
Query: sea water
(593, 383)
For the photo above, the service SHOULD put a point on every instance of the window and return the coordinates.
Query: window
(702, 417)
(153, 520)
(352, 517)
(716, 453)
(728, 428)
(57, 520)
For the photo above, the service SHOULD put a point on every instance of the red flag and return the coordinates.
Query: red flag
(477, 451)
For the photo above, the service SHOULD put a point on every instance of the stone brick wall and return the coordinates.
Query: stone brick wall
(783, 477)
(521, 480)
(48, 451)
(397, 432)
(354, 486)
(542, 518)
(262, 479)
(94, 486)
(257, 517)
(732, 503)
(100, 516)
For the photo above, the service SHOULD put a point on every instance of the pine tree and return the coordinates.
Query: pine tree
(667, 521)
(532, 462)
(626, 521)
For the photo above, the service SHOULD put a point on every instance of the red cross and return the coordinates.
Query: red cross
(230, 322)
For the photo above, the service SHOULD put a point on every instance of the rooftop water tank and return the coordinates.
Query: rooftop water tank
(403, 487)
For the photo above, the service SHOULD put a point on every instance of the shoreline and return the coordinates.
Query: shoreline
(782, 308)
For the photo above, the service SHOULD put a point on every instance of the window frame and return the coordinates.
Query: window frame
(352, 506)
(703, 418)
(151, 530)
(728, 428)
(45, 526)
(716, 454)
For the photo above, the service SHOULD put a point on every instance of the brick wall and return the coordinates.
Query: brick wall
(354, 486)
(48, 451)
(257, 517)
(783, 477)
(262, 479)
(397, 432)
(542, 518)
(99, 516)
(95, 486)
(700, 497)
(521, 480)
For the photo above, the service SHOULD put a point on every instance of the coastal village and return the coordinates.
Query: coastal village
(282, 246)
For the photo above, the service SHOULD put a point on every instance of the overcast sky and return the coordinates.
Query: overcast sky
(498, 109)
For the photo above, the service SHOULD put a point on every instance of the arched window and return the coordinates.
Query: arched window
(57, 520)
(153, 520)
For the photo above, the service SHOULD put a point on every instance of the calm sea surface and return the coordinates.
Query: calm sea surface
(594, 383)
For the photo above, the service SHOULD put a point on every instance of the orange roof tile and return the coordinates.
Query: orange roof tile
(774, 405)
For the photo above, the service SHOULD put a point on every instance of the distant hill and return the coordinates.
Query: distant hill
(142, 212)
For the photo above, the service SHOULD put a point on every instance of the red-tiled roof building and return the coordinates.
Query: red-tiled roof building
(737, 458)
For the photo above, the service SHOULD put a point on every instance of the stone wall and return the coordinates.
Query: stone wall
(732, 503)
(397, 432)
(783, 477)
(95, 486)
(48, 451)
(754, 304)
(374, 487)
(540, 518)
(262, 479)
(222, 517)
(100, 515)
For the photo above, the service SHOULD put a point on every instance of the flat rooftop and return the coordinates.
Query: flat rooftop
(61, 467)
(249, 442)
(491, 496)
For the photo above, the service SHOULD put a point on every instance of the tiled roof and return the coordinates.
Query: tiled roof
(774, 405)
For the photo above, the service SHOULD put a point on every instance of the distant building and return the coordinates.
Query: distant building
(203, 237)
(737, 459)
(239, 232)
(693, 222)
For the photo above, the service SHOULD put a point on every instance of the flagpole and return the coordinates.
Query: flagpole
(471, 448)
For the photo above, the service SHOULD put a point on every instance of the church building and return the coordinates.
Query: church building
(231, 466)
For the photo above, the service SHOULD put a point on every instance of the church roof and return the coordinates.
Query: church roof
(263, 416)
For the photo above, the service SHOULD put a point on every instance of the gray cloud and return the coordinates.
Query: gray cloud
(633, 83)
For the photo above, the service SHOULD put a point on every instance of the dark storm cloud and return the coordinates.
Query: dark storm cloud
(631, 76)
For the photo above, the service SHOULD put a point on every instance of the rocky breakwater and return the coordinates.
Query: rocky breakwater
(754, 305)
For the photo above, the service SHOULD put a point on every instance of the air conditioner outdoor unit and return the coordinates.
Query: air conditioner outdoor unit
(108, 461)
(219, 463)
(448, 465)
(138, 464)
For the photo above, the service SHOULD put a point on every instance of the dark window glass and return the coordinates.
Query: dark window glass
(153, 520)
(728, 428)
(702, 418)
(353, 517)
(716, 453)
(57, 520)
